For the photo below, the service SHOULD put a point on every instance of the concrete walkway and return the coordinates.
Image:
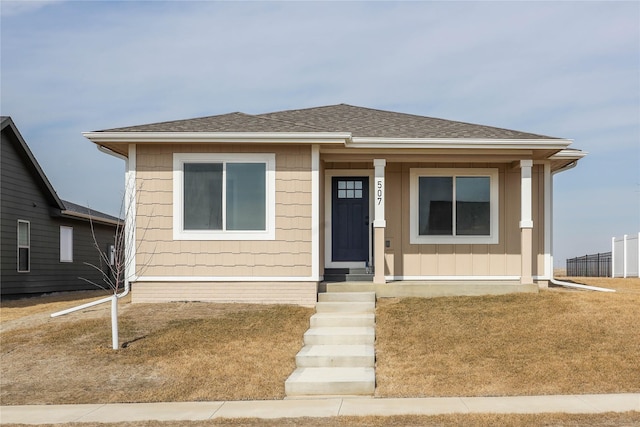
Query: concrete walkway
(325, 407)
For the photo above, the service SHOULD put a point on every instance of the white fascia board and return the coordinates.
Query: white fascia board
(463, 143)
(236, 137)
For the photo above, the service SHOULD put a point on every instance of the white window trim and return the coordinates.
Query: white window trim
(27, 246)
(417, 239)
(179, 159)
(69, 243)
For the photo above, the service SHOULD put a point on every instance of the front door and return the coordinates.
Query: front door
(350, 219)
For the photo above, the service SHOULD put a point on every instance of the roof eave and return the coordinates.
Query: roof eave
(109, 139)
(569, 155)
(460, 143)
(101, 138)
(91, 218)
(566, 159)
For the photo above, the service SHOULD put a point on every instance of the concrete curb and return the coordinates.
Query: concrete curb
(318, 407)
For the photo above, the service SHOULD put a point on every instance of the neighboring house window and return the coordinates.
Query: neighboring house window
(24, 246)
(66, 244)
(454, 206)
(224, 196)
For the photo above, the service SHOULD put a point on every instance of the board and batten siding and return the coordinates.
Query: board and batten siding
(403, 259)
(24, 199)
(158, 255)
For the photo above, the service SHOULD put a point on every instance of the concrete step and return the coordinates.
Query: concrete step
(337, 278)
(345, 307)
(350, 287)
(331, 381)
(347, 297)
(318, 356)
(348, 275)
(340, 335)
(342, 320)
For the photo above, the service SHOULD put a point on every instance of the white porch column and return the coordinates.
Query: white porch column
(130, 209)
(315, 212)
(379, 222)
(526, 222)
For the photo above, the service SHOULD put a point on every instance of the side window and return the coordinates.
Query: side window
(24, 246)
(66, 244)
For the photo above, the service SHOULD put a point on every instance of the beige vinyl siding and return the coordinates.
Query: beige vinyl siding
(499, 260)
(299, 293)
(289, 255)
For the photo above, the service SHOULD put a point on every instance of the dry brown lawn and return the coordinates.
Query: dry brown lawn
(557, 341)
(554, 342)
(172, 352)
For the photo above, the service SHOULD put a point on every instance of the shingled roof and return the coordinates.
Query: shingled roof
(79, 211)
(358, 121)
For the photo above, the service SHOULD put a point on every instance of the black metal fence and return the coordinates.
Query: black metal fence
(596, 265)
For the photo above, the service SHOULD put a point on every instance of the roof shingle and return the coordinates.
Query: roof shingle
(359, 121)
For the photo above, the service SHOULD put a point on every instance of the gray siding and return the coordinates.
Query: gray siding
(24, 197)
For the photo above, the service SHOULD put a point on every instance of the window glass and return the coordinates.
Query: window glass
(473, 206)
(246, 196)
(24, 242)
(23, 234)
(435, 205)
(203, 196)
(349, 189)
(66, 244)
(23, 261)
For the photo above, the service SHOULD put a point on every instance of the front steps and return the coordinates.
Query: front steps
(338, 357)
(348, 275)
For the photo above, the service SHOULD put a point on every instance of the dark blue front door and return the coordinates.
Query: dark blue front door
(350, 218)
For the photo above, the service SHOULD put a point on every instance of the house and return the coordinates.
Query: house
(45, 242)
(265, 207)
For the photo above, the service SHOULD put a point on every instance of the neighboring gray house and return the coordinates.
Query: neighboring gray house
(45, 242)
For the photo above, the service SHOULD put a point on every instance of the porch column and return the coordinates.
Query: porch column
(379, 222)
(526, 222)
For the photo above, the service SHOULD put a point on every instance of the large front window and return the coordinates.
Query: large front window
(224, 196)
(452, 206)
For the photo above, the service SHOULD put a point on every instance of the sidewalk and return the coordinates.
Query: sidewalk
(322, 407)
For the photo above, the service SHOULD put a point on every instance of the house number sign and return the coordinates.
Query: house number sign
(379, 198)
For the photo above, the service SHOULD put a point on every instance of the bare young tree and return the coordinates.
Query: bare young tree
(117, 264)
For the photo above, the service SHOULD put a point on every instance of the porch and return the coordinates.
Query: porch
(395, 289)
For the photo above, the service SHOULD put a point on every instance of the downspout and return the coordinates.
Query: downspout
(127, 287)
(560, 282)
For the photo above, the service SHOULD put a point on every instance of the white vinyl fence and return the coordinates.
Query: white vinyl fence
(625, 256)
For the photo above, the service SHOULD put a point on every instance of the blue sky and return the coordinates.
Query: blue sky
(565, 69)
